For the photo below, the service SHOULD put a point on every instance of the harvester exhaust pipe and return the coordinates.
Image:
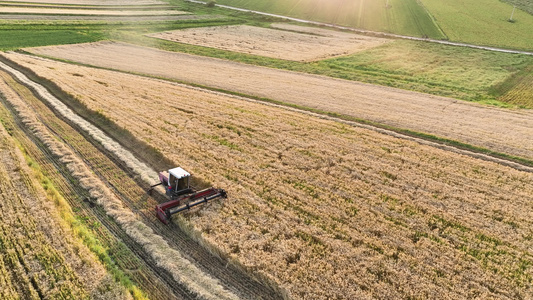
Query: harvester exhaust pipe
(149, 191)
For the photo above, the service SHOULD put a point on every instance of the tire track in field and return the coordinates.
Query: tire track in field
(181, 269)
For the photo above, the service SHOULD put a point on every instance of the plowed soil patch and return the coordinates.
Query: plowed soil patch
(283, 44)
(327, 210)
(503, 130)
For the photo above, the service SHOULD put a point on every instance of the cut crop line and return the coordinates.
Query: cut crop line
(369, 32)
(182, 270)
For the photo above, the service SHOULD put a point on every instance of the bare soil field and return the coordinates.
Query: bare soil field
(292, 43)
(40, 257)
(73, 11)
(327, 210)
(503, 130)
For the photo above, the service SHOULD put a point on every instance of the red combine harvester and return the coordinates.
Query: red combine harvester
(182, 195)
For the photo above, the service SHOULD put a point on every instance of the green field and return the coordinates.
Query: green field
(14, 39)
(525, 5)
(457, 72)
(405, 17)
(483, 22)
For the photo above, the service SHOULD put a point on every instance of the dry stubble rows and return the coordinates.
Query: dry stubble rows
(40, 258)
(325, 209)
(57, 11)
(93, 2)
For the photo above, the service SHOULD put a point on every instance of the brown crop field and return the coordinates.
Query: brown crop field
(161, 260)
(325, 209)
(288, 42)
(503, 130)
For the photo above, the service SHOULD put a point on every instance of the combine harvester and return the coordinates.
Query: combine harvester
(182, 196)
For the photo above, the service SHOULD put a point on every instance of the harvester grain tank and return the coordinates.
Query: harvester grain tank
(181, 194)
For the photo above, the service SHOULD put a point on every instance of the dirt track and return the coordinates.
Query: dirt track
(502, 130)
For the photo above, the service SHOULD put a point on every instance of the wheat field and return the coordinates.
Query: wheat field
(325, 209)
(505, 131)
(40, 255)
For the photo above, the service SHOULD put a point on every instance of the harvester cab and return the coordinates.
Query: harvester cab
(176, 182)
(182, 196)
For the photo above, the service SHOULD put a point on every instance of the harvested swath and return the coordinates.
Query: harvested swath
(57, 11)
(39, 255)
(182, 270)
(327, 210)
(298, 44)
(502, 130)
(126, 254)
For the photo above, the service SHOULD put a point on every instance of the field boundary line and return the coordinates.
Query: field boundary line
(369, 32)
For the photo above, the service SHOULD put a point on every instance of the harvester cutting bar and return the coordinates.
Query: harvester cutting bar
(167, 209)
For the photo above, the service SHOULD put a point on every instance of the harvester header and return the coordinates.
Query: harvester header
(182, 196)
